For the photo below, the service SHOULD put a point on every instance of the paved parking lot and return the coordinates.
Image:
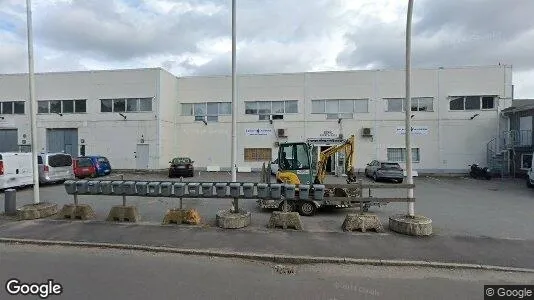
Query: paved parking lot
(457, 206)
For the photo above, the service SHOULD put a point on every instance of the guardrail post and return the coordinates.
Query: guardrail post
(181, 202)
(124, 195)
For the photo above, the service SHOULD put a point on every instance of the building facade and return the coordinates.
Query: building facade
(142, 118)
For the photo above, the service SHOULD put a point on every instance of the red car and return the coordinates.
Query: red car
(83, 167)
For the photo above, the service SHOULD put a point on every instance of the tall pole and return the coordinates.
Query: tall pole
(33, 104)
(234, 95)
(408, 108)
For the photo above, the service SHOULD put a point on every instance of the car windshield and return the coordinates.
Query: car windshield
(391, 166)
(60, 160)
(181, 160)
(85, 162)
(103, 160)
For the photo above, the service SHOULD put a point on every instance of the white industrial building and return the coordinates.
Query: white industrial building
(142, 118)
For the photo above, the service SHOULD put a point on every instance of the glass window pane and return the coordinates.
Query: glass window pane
(302, 157)
(415, 155)
(213, 118)
(225, 109)
(213, 109)
(251, 108)
(414, 104)
(7, 108)
(488, 102)
(457, 104)
(68, 106)
(119, 105)
(200, 109)
(472, 102)
(332, 106)
(361, 106)
(145, 104)
(199, 118)
(187, 109)
(55, 107)
(317, 106)
(132, 104)
(80, 106)
(263, 117)
(278, 107)
(395, 105)
(425, 104)
(105, 105)
(264, 107)
(42, 107)
(332, 116)
(345, 116)
(292, 107)
(19, 107)
(346, 106)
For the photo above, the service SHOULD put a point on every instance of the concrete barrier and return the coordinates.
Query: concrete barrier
(123, 214)
(37, 211)
(77, 212)
(363, 222)
(285, 220)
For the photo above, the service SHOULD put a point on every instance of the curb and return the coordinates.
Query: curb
(274, 258)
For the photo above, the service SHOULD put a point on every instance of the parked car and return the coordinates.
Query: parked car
(16, 170)
(83, 167)
(530, 174)
(101, 164)
(384, 170)
(181, 166)
(54, 167)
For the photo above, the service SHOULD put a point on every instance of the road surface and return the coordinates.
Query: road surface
(117, 274)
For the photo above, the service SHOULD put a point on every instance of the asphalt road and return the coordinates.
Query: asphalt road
(116, 274)
(457, 206)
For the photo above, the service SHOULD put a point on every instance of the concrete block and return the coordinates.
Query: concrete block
(77, 212)
(285, 220)
(417, 225)
(182, 216)
(363, 222)
(123, 214)
(244, 169)
(37, 211)
(229, 220)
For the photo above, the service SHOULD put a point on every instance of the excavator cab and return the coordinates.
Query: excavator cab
(295, 164)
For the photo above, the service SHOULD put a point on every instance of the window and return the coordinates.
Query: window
(12, 107)
(266, 108)
(342, 108)
(258, 154)
(472, 102)
(399, 154)
(106, 105)
(80, 106)
(61, 106)
(125, 105)
(526, 161)
(209, 110)
(418, 104)
(59, 160)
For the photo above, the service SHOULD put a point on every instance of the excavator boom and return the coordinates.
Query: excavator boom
(348, 148)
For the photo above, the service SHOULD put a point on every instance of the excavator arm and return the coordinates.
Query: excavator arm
(348, 147)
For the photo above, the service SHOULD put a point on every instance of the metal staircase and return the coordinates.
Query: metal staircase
(500, 152)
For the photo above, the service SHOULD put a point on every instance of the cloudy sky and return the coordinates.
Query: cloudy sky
(193, 37)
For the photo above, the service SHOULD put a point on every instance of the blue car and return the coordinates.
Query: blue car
(101, 163)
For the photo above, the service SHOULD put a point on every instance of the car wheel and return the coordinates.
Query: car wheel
(307, 208)
(529, 185)
(399, 180)
(375, 177)
(285, 207)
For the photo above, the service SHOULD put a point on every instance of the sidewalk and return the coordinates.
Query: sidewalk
(449, 249)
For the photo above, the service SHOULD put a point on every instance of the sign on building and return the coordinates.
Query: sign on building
(259, 131)
(416, 130)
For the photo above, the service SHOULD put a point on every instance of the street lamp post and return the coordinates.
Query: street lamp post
(234, 95)
(33, 104)
(408, 108)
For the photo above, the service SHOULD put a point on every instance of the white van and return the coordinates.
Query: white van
(15, 170)
(54, 167)
(530, 178)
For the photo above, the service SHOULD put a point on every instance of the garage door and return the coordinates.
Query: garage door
(9, 140)
(62, 140)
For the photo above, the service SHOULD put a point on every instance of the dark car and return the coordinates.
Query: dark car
(384, 170)
(181, 167)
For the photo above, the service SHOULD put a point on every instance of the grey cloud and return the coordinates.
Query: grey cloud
(449, 33)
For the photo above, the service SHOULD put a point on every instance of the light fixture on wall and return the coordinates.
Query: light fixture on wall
(411, 117)
(142, 139)
(474, 116)
(339, 120)
(60, 114)
(122, 115)
(2, 118)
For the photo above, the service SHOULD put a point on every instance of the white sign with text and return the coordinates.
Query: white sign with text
(416, 130)
(259, 131)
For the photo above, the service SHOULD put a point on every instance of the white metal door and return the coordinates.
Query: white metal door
(525, 130)
(141, 156)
